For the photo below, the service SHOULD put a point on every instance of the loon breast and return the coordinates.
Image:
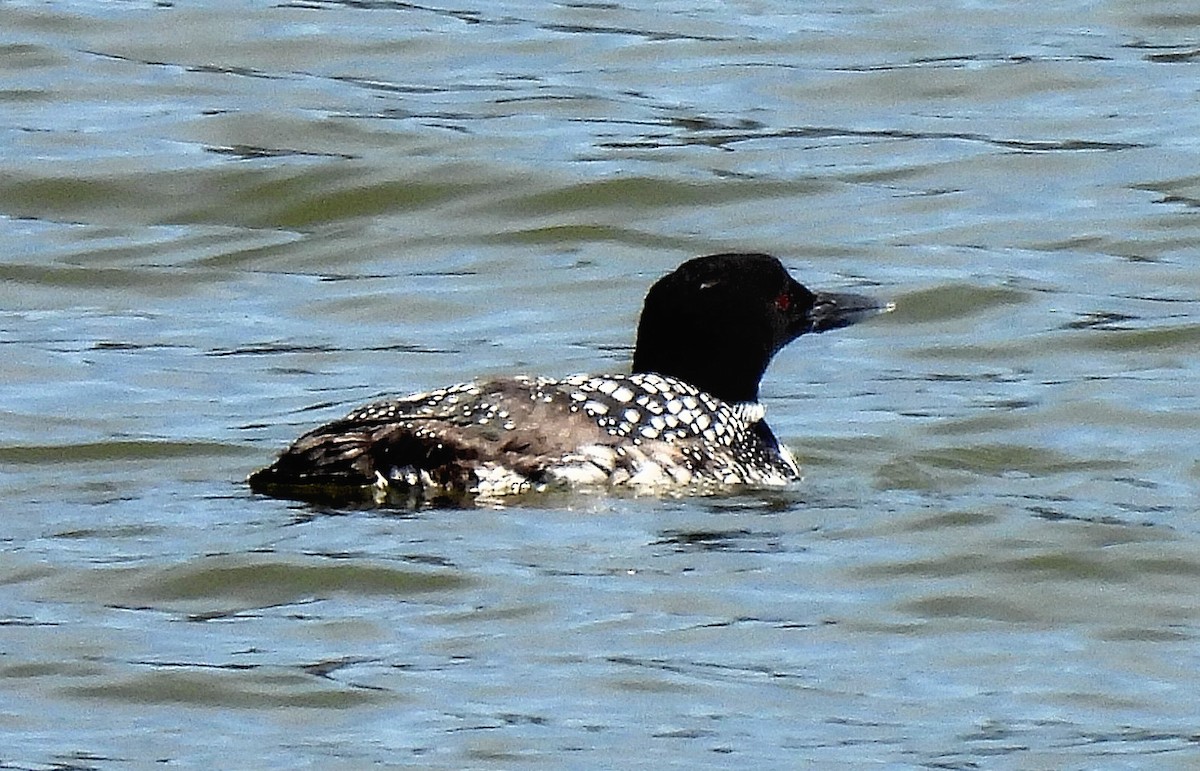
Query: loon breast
(488, 438)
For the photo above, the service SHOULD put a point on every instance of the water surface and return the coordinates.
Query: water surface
(226, 222)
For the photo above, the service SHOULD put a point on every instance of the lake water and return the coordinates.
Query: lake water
(226, 222)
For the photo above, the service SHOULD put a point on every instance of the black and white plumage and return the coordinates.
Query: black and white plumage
(687, 418)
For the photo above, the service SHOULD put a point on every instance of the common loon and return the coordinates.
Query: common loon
(686, 418)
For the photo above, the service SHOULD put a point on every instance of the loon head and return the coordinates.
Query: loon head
(717, 321)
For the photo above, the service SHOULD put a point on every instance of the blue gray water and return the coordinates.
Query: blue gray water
(225, 222)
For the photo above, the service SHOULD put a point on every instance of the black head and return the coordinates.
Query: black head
(716, 321)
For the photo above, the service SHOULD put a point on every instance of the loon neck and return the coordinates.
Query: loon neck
(723, 388)
(751, 412)
(732, 378)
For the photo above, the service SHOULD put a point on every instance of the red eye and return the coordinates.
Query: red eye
(783, 301)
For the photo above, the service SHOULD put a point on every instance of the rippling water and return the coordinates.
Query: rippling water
(224, 222)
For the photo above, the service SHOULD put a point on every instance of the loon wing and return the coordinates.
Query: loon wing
(505, 430)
